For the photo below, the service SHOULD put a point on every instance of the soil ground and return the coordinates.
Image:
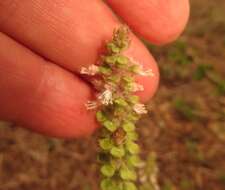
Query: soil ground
(185, 126)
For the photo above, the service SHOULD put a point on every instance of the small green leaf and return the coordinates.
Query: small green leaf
(116, 49)
(135, 68)
(128, 174)
(114, 78)
(129, 186)
(117, 152)
(132, 147)
(132, 136)
(133, 117)
(135, 161)
(121, 102)
(106, 143)
(134, 99)
(100, 116)
(128, 126)
(128, 79)
(108, 170)
(113, 48)
(110, 126)
(105, 70)
(110, 59)
(201, 71)
(108, 184)
(122, 60)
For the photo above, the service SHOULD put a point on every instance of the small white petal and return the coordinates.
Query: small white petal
(91, 70)
(106, 97)
(140, 109)
(141, 70)
(137, 87)
(90, 105)
(148, 72)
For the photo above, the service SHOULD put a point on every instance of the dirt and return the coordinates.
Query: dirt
(185, 126)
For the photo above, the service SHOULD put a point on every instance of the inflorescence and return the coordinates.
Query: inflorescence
(118, 109)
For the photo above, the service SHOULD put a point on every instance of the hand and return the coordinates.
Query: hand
(44, 44)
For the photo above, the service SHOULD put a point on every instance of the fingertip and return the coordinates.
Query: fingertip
(159, 22)
(172, 19)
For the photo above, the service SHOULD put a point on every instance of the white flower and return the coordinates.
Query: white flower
(140, 109)
(91, 70)
(148, 72)
(137, 87)
(91, 105)
(106, 97)
(141, 70)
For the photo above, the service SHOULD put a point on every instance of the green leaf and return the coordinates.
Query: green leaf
(128, 126)
(186, 110)
(129, 186)
(110, 59)
(201, 71)
(106, 143)
(135, 161)
(132, 136)
(135, 68)
(108, 184)
(114, 78)
(132, 147)
(134, 99)
(113, 48)
(117, 152)
(128, 79)
(108, 170)
(105, 70)
(100, 116)
(122, 60)
(128, 174)
(110, 126)
(133, 117)
(121, 102)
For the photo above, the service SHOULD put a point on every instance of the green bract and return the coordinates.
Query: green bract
(105, 70)
(134, 160)
(121, 102)
(128, 126)
(132, 136)
(128, 174)
(108, 184)
(117, 152)
(134, 99)
(132, 147)
(109, 125)
(106, 143)
(129, 186)
(108, 170)
(100, 116)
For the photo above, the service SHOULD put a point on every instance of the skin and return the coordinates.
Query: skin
(44, 44)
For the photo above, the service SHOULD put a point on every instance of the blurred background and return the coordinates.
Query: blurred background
(183, 136)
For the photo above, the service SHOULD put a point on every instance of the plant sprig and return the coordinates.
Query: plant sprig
(118, 111)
